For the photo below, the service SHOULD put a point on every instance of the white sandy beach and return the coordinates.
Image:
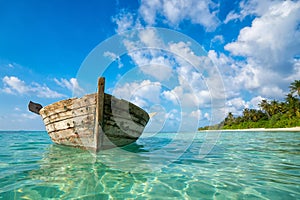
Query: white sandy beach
(293, 129)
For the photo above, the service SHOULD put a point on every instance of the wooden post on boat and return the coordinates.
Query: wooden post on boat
(99, 134)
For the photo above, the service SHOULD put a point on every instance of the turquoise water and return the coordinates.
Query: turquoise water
(241, 165)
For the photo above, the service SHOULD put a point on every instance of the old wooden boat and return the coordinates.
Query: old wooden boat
(94, 122)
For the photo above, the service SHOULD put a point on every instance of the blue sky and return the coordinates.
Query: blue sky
(52, 50)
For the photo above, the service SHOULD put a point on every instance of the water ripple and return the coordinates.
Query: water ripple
(256, 165)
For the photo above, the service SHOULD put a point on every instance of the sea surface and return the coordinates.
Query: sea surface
(227, 165)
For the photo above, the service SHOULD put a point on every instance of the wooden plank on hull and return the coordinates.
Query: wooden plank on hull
(74, 137)
(126, 116)
(70, 114)
(77, 121)
(68, 105)
(115, 129)
(120, 104)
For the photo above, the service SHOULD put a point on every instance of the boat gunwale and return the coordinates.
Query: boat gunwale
(75, 98)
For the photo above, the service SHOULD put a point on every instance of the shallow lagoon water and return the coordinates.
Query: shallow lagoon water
(241, 165)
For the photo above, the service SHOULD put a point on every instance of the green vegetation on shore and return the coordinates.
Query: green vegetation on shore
(272, 114)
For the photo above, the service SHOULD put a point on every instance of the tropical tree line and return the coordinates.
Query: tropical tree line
(271, 114)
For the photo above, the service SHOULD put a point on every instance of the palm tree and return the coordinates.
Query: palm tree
(274, 107)
(295, 87)
(246, 114)
(229, 120)
(256, 115)
(291, 104)
(265, 106)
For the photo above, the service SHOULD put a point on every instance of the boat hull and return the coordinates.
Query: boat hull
(73, 122)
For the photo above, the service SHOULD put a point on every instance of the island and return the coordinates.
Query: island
(271, 114)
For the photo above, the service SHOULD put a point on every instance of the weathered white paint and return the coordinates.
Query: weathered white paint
(72, 122)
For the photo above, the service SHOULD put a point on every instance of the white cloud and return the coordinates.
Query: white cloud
(250, 7)
(153, 63)
(198, 70)
(150, 38)
(29, 116)
(207, 116)
(196, 114)
(149, 10)
(114, 57)
(186, 96)
(13, 85)
(296, 71)
(71, 85)
(159, 71)
(247, 75)
(139, 93)
(218, 39)
(171, 96)
(273, 38)
(255, 101)
(232, 16)
(220, 60)
(186, 54)
(174, 12)
(236, 105)
(177, 61)
(269, 46)
(172, 115)
(272, 91)
(44, 91)
(126, 21)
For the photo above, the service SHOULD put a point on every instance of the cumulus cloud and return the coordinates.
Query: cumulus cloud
(196, 114)
(150, 38)
(296, 71)
(186, 96)
(171, 96)
(255, 101)
(272, 91)
(126, 21)
(114, 57)
(238, 104)
(14, 85)
(232, 16)
(218, 39)
(71, 85)
(140, 93)
(269, 47)
(159, 71)
(273, 38)
(175, 12)
(251, 7)
(151, 61)
(181, 63)
(266, 51)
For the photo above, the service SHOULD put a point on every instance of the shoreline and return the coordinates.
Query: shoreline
(292, 129)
